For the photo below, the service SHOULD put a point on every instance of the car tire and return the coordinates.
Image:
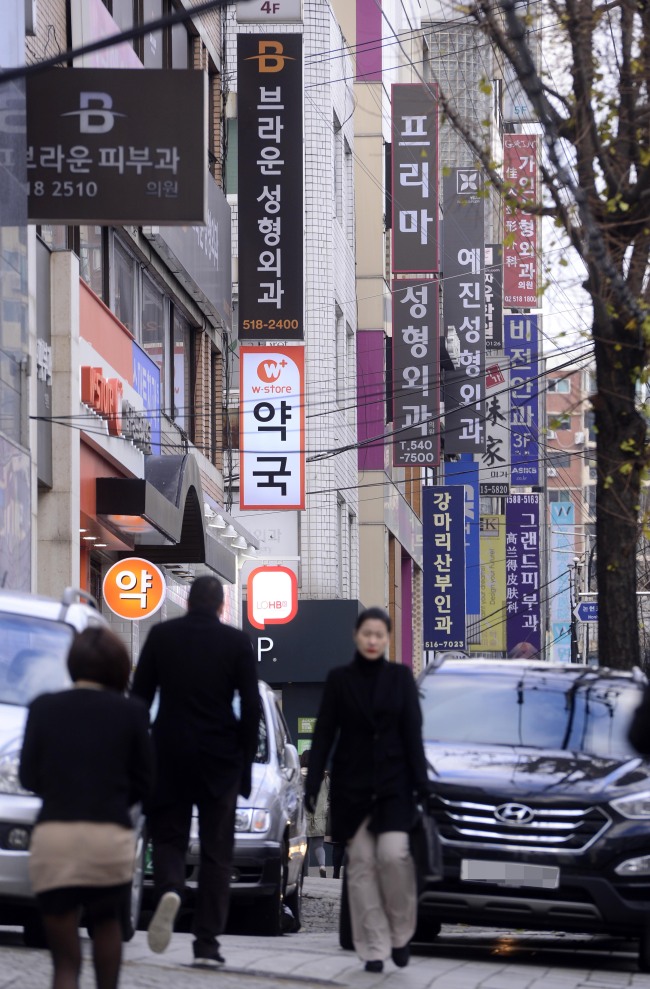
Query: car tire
(34, 933)
(644, 949)
(345, 923)
(268, 915)
(294, 902)
(134, 903)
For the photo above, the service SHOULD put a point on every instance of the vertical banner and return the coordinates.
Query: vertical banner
(416, 374)
(464, 309)
(443, 561)
(520, 268)
(561, 545)
(521, 348)
(523, 608)
(465, 471)
(494, 472)
(493, 298)
(493, 584)
(270, 177)
(414, 177)
(272, 427)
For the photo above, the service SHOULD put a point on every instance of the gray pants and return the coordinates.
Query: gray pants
(382, 892)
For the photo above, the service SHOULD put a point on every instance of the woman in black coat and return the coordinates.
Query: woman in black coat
(370, 725)
(88, 755)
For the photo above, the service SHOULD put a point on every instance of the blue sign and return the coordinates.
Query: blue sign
(146, 381)
(523, 571)
(587, 611)
(465, 471)
(521, 347)
(443, 563)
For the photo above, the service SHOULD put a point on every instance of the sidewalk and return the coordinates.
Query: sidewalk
(460, 959)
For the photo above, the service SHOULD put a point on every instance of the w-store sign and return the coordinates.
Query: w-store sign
(272, 427)
(520, 226)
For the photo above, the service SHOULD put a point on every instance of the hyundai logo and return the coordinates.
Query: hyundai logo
(514, 814)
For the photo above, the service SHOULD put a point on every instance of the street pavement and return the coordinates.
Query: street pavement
(461, 958)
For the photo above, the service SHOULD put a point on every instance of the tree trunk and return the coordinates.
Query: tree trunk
(620, 443)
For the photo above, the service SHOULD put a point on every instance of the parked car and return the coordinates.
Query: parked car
(270, 835)
(543, 807)
(36, 633)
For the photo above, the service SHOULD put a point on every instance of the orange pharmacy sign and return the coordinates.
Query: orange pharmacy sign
(134, 588)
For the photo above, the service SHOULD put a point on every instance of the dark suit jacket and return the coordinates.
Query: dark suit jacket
(377, 755)
(88, 754)
(639, 733)
(198, 664)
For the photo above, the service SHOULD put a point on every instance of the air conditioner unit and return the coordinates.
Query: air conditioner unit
(550, 434)
(579, 438)
(551, 472)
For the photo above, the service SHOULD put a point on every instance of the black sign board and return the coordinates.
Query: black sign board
(270, 183)
(116, 146)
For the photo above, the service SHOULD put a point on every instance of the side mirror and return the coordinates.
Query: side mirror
(291, 761)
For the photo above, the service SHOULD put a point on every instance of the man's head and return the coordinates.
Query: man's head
(206, 595)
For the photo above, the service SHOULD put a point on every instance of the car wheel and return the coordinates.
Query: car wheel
(134, 904)
(34, 933)
(294, 903)
(345, 924)
(644, 949)
(268, 915)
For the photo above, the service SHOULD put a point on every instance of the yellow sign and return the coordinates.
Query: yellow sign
(493, 584)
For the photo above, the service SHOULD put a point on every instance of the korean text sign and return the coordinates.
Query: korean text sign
(493, 297)
(523, 606)
(97, 154)
(463, 302)
(443, 539)
(270, 180)
(416, 373)
(272, 427)
(134, 588)
(520, 226)
(414, 177)
(494, 472)
(521, 348)
(561, 543)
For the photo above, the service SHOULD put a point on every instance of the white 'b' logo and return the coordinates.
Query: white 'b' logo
(96, 115)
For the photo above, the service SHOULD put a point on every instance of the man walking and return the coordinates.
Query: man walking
(204, 755)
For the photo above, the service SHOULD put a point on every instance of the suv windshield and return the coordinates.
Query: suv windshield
(33, 657)
(581, 713)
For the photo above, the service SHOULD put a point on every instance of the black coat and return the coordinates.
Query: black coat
(198, 664)
(639, 733)
(373, 735)
(88, 754)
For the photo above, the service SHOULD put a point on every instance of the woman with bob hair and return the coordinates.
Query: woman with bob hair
(370, 727)
(87, 753)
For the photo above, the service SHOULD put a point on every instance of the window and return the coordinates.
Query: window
(91, 258)
(124, 283)
(153, 334)
(558, 421)
(559, 494)
(559, 385)
(348, 167)
(337, 152)
(169, 48)
(559, 460)
(340, 356)
(182, 373)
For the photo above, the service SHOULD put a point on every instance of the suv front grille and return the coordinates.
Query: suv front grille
(550, 828)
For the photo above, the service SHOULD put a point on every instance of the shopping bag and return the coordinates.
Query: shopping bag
(426, 848)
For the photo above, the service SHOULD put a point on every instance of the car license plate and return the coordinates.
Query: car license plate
(510, 874)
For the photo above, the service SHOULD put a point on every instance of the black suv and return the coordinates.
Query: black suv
(542, 806)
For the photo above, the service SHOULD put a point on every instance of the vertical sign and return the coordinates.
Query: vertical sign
(493, 297)
(521, 347)
(493, 584)
(465, 471)
(464, 309)
(561, 544)
(494, 473)
(414, 177)
(523, 607)
(270, 170)
(520, 226)
(272, 427)
(443, 551)
(416, 374)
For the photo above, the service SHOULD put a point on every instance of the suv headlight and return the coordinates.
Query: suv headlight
(636, 806)
(9, 781)
(252, 819)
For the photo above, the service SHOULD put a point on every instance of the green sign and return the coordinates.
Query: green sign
(306, 726)
(303, 745)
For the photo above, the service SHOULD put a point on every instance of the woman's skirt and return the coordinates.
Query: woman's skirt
(80, 853)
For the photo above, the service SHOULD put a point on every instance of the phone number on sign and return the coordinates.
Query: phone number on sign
(64, 190)
(270, 324)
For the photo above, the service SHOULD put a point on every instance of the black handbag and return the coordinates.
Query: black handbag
(426, 848)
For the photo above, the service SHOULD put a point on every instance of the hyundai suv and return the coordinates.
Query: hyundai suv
(542, 805)
(36, 633)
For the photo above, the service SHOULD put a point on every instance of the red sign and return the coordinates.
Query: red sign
(520, 267)
(104, 396)
(272, 596)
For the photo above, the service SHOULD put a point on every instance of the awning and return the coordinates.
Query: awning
(161, 515)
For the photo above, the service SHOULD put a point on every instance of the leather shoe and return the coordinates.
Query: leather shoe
(375, 966)
(401, 956)
(207, 953)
